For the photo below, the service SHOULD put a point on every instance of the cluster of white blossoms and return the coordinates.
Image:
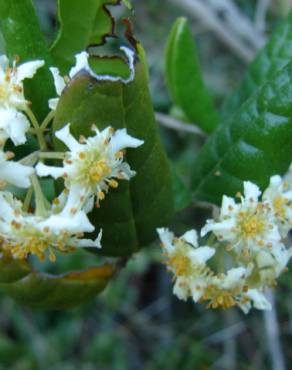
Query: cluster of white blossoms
(246, 243)
(90, 167)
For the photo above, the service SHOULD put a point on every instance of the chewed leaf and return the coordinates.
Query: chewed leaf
(39, 290)
(129, 214)
(82, 23)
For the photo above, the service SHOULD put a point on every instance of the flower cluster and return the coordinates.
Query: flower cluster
(91, 166)
(246, 242)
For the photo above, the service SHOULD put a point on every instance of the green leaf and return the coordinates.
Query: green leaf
(184, 78)
(181, 193)
(23, 37)
(39, 290)
(82, 23)
(128, 4)
(254, 144)
(130, 214)
(12, 270)
(272, 58)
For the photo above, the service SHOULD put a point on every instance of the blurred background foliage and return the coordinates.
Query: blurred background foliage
(137, 323)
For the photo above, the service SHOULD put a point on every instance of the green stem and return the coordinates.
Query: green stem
(27, 200)
(52, 155)
(47, 120)
(31, 159)
(40, 199)
(38, 131)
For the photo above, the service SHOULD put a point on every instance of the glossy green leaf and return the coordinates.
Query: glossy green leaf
(254, 144)
(184, 78)
(82, 23)
(39, 290)
(130, 214)
(23, 37)
(272, 58)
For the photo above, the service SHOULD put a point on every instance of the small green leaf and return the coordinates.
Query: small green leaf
(12, 270)
(128, 4)
(273, 57)
(181, 193)
(184, 78)
(23, 37)
(82, 23)
(254, 144)
(39, 290)
(130, 214)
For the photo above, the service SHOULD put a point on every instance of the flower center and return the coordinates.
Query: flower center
(251, 224)
(4, 92)
(98, 170)
(278, 204)
(180, 264)
(92, 169)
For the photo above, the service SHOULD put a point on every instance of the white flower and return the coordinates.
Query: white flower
(279, 197)
(256, 298)
(11, 82)
(13, 125)
(273, 263)
(227, 289)
(23, 233)
(187, 261)
(14, 173)
(247, 226)
(95, 165)
(82, 64)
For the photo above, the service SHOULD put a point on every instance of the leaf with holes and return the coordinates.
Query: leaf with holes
(82, 23)
(254, 144)
(130, 214)
(40, 290)
(272, 58)
(184, 78)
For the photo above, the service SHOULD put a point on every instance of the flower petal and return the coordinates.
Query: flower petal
(58, 80)
(28, 70)
(251, 191)
(68, 139)
(43, 170)
(81, 63)
(121, 140)
(16, 174)
(191, 237)
(14, 125)
(259, 300)
(53, 103)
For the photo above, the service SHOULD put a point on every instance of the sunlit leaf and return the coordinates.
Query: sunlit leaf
(184, 78)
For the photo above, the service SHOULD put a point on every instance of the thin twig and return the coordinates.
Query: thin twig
(273, 335)
(237, 22)
(208, 16)
(175, 124)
